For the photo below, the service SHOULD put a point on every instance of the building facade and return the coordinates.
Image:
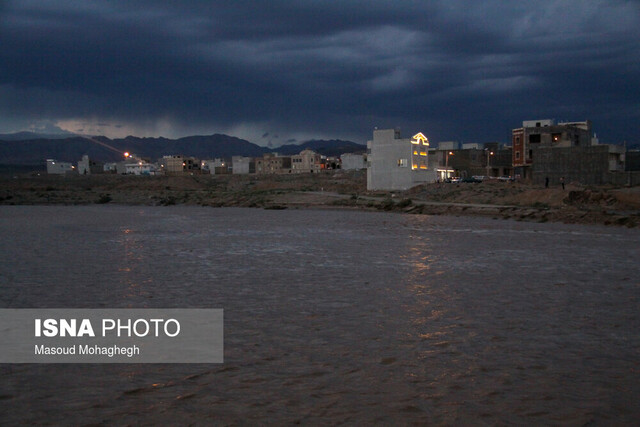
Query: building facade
(588, 165)
(87, 166)
(55, 167)
(215, 166)
(140, 168)
(272, 163)
(307, 161)
(545, 133)
(350, 161)
(242, 165)
(398, 164)
(178, 165)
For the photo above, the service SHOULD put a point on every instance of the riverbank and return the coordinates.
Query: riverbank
(334, 190)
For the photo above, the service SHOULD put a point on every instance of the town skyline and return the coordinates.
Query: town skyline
(288, 72)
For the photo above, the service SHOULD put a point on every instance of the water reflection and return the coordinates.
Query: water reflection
(335, 317)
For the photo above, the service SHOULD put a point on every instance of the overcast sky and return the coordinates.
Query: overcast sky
(277, 71)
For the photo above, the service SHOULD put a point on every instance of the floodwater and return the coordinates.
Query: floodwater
(335, 316)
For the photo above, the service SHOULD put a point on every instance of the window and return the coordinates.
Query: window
(402, 163)
(531, 154)
(534, 138)
(517, 155)
(555, 137)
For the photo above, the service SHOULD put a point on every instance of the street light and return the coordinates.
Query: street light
(446, 165)
(489, 154)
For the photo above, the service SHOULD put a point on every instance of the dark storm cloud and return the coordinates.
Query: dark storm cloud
(456, 70)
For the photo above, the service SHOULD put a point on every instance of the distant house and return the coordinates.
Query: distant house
(140, 168)
(55, 167)
(215, 166)
(87, 166)
(119, 168)
(352, 161)
(272, 163)
(172, 165)
(307, 161)
(242, 165)
(178, 165)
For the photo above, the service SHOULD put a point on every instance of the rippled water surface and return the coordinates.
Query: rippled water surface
(335, 317)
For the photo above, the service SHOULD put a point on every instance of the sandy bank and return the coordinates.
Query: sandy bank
(335, 190)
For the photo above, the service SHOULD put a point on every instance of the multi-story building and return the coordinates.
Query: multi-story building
(398, 164)
(178, 164)
(242, 165)
(545, 133)
(172, 165)
(307, 161)
(545, 151)
(271, 163)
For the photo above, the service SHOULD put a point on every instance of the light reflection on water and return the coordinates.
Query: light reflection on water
(335, 316)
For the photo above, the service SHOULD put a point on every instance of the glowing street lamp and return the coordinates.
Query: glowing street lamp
(489, 154)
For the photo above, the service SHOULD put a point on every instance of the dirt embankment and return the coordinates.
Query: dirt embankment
(575, 204)
(206, 190)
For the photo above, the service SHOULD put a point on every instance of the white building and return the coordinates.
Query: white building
(240, 165)
(58, 168)
(209, 166)
(398, 164)
(140, 168)
(352, 161)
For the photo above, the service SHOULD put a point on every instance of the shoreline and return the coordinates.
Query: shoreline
(333, 190)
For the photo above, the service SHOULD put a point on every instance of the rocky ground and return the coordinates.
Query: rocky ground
(335, 190)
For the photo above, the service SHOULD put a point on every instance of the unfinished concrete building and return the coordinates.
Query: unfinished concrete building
(545, 133)
(544, 150)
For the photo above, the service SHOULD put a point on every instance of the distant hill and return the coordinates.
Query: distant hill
(21, 136)
(36, 151)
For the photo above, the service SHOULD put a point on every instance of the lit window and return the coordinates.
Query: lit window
(402, 163)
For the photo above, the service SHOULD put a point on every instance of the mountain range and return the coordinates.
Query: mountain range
(34, 149)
